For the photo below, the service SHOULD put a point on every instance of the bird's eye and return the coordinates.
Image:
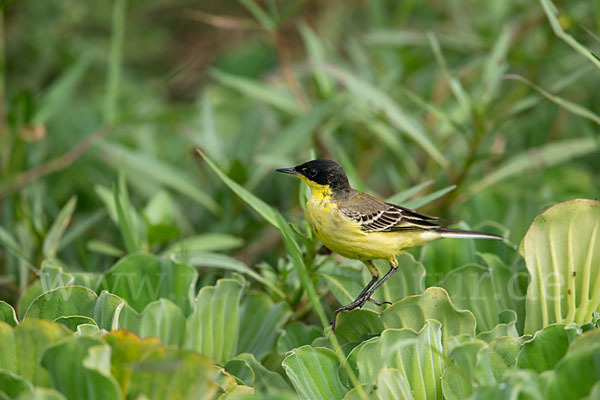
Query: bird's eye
(312, 172)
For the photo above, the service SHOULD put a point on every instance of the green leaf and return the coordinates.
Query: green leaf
(98, 246)
(314, 373)
(73, 321)
(316, 53)
(475, 364)
(115, 57)
(213, 326)
(22, 346)
(460, 376)
(345, 282)
(54, 235)
(408, 193)
(158, 171)
(543, 156)
(261, 321)
(357, 325)
(146, 369)
(551, 13)
(407, 281)
(80, 369)
(261, 379)
(421, 201)
(483, 290)
(8, 314)
(142, 278)
(261, 16)
(418, 357)
(560, 252)
(262, 208)
(227, 263)
(28, 296)
(392, 385)
(503, 353)
(518, 384)
(381, 102)
(443, 256)
(13, 247)
(434, 304)
(205, 243)
(507, 326)
(283, 100)
(53, 276)
(126, 217)
(63, 302)
(60, 92)
(547, 347)
(107, 309)
(575, 375)
(13, 385)
(209, 136)
(295, 335)
(42, 393)
(164, 320)
(588, 338)
(287, 142)
(570, 106)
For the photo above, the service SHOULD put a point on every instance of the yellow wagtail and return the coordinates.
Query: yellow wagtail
(359, 226)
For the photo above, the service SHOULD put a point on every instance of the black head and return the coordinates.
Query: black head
(322, 172)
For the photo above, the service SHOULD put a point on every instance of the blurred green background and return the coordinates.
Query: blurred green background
(480, 100)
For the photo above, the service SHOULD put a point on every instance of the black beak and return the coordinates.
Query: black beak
(291, 171)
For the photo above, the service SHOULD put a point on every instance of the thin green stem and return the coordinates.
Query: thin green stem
(4, 139)
(114, 61)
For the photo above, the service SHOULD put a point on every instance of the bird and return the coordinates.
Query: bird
(359, 226)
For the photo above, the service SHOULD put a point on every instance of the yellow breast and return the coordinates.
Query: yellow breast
(343, 235)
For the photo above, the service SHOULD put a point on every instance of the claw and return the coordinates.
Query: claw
(379, 303)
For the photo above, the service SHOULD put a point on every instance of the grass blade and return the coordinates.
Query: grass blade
(316, 52)
(52, 240)
(543, 156)
(261, 16)
(114, 61)
(204, 259)
(98, 246)
(82, 227)
(158, 171)
(566, 104)
(282, 100)
(420, 202)
(125, 218)
(551, 11)
(205, 242)
(408, 193)
(13, 248)
(384, 104)
(455, 85)
(60, 91)
(209, 137)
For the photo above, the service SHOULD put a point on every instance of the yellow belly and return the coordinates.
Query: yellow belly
(343, 236)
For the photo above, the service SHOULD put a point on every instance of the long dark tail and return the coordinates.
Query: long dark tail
(460, 234)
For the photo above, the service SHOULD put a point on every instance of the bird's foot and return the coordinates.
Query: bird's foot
(378, 303)
(359, 302)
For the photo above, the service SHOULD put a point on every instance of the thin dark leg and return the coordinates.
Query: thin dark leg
(357, 301)
(391, 272)
(379, 303)
(366, 294)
